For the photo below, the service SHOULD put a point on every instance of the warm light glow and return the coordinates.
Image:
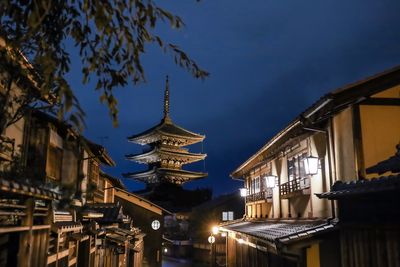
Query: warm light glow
(215, 230)
(165, 250)
(243, 192)
(241, 241)
(211, 239)
(270, 180)
(311, 165)
(223, 234)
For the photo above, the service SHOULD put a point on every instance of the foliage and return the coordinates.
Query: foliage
(111, 36)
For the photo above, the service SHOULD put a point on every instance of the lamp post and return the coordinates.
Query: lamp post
(211, 240)
(243, 194)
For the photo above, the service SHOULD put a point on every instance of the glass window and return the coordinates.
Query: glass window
(227, 215)
(255, 185)
(54, 162)
(296, 168)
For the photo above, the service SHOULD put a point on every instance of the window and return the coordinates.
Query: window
(255, 185)
(94, 172)
(227, 215)
(54, 162)
(296, 168)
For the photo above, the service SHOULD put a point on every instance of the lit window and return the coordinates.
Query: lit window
(255, 185)
(296, 168)
(227, 215)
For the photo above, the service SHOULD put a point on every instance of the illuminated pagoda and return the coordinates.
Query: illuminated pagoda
(166, 153)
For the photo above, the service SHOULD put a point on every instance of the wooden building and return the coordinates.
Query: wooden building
(52, 179)
(336, 139)
(149, 217)
(369, 220)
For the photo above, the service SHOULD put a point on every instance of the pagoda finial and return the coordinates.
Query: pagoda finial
(166, 99)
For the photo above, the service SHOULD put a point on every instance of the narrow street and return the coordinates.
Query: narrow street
(172, 262)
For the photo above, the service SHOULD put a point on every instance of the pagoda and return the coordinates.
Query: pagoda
(165, 153)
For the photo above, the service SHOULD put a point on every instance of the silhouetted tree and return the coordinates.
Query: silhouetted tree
(111, 36)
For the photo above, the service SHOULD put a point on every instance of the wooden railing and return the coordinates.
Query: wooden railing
(294, 186)
(262, 195)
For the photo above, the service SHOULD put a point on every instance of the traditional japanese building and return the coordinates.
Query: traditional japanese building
(166, 154)
(329, 151)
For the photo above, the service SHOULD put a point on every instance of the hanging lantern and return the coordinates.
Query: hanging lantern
(243, 192)
(270, 181)
(311, 165)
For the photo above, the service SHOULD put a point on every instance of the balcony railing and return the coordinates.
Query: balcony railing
(262, 195)
(296, 187)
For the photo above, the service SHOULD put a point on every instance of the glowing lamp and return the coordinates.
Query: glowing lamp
(243, 192)
(311, 165)
(155, 224)
(215, 230)
(270, 180)
(211, 239)
(241, 241)
(223, 234)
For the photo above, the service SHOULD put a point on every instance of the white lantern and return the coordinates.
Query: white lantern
(241, 241)
(155, 224)
(311, 165)
(270, 181)
(211, 239)
(243, 192)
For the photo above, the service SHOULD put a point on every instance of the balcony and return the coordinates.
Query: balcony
(265, 195)
(294, 188)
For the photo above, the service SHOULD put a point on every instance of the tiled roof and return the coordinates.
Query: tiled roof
(116, 182)
(282, 231)
(24, 188)
(167, 127)
(391, 164)
(112, 212)
(361, 187)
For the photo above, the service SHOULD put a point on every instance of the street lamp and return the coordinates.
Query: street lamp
(311, 165)
(243, 192)
(215, 230)
(211, 240)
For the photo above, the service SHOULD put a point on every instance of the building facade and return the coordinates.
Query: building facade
(55, 200)
(336, 139)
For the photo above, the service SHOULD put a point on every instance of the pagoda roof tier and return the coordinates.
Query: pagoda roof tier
(156, 175)
(163, 153)
(167, 132)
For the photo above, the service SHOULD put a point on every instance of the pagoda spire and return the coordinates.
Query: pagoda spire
(166, 100)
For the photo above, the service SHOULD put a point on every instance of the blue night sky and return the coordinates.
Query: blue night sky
(268, 60)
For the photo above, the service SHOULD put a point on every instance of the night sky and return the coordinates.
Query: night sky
(268, 60)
